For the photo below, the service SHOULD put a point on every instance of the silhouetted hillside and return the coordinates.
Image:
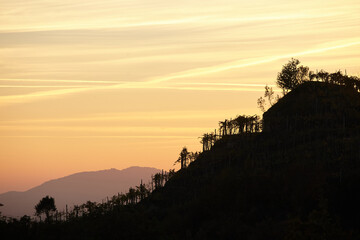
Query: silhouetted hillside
(285, 183)
(301, 184)
(76, 189)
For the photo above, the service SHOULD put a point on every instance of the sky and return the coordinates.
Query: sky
(89, 85)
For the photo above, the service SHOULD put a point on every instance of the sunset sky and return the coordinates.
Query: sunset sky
(89, 85)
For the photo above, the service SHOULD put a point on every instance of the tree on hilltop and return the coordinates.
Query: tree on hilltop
(292, 75)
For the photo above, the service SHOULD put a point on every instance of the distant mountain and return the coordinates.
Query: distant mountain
(76, 189)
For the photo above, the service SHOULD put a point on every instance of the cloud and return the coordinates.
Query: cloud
(127, 130)
(54, 80)
(242, 64)
(162, 115)
(102, 136)
(38, 95)
(43, 86)
(136, 19)
(155, 83)
(226, 84)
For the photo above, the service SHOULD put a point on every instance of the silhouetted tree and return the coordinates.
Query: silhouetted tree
(269, 96)
(1, 206)
(205, 141)
(143, 192)
(292, 75)
(171, 173)
(76, 211)
(337, 78)
(192, 156)
(46, 206)
(230, 126)
(313, 76)
(208, 140)
(88, 208)
(323, 76)
(239, 122)
(132, 195)
(261, 104)
(212, 139)
(223, 127)
(25, 220)
(157, 180)
(123, 199)
(183, 157)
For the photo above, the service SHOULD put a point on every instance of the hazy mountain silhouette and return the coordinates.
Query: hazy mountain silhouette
(76, 189)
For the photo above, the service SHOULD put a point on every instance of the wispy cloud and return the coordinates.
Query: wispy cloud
(101, 117)
(115, 22)
(38, 95)
(102, 136)
(225, 84)
(156, 82)
(54, 80)
(44, 86)
(247, 63)
(130, 130)
(93, 25)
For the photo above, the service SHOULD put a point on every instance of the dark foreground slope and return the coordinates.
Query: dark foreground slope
(287, 184)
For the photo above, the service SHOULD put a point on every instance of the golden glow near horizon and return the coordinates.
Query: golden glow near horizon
(90, 85)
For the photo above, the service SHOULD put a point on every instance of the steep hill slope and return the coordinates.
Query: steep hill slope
(284, 183)
(299, 183)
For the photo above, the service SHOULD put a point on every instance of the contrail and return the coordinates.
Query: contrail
(43, 86)
(238, 64)
(186, 74)
(30, 96)
(106, 24)
(100, 136)
(225, 84)
(114, 23)
(184, 115)
(122, 129)
(55, 80)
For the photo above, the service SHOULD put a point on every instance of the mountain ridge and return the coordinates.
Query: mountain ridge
(104, 183)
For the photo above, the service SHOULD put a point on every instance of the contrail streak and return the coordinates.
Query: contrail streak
(186, 74)
(150, 116)
(226, 84)
(99, 136)
(238, 64)
(113, 23)
(55, 80)
(42, 86)
(107, 24)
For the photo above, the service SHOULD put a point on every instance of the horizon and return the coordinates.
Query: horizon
(99, 85)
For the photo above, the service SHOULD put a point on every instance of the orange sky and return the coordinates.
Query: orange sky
(89, 85)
